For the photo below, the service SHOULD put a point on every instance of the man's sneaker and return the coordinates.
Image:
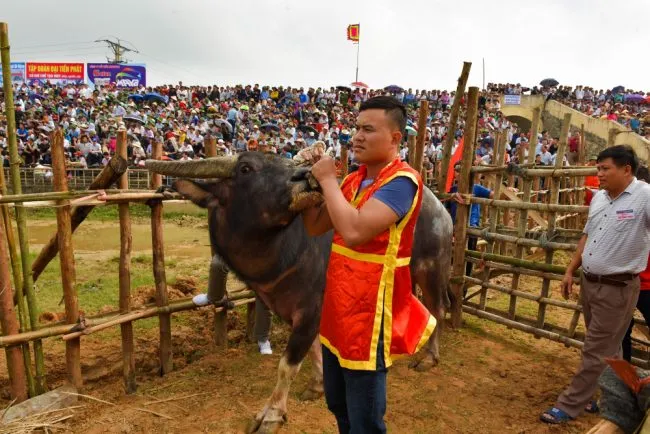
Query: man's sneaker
(201, 300)
(265, 347)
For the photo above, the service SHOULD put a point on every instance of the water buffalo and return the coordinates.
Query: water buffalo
(254, 204)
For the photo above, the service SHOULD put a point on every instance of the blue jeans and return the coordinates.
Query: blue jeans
(356, 398)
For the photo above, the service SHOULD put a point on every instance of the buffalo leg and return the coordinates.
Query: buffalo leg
(315, 389)
(434, 288)
(273, 415)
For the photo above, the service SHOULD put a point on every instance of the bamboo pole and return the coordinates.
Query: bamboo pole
(523, 327)
(126, 244)
(23, 236)
(410, 141)
(116, 166)
(62, 329)
(555, 197)
(537, 114)
(462, 210)
(529, 206)
(9, 324)
(506, 269)
(519, 249)
(166, 362)
(423, 113)
(494, 211)
(543, 301)
(147, 313)
(539, 266)
(210, 146)
(19, 297)
(344, 160)
(217, 285)
(66, 256)
(521, 241)
(55, 195)
(451, 128)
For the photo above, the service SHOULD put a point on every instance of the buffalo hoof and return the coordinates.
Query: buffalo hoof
(267, 423)
(423, 364)
(311, 395)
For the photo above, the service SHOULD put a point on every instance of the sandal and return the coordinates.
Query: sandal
(555, 416)
(592, 407)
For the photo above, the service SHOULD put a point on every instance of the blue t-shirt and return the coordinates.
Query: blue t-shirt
(398, 194)
(475, 210)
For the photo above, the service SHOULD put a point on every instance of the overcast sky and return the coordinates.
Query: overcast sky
(416, 44)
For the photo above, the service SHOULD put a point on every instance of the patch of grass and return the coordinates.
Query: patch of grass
(137, 211)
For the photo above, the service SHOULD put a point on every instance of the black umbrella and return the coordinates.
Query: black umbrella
(549, 82)
(618, 89)
(307, 129)
(344, 88)
(270, 126)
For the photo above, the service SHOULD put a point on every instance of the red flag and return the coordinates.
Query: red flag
(353, 32)
(455, 158)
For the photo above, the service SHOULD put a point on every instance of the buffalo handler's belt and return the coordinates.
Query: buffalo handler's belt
(610, 279)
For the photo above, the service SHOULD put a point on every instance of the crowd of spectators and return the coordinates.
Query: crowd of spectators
(282, 120)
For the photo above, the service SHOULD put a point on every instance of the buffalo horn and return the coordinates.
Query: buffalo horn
(219, 167)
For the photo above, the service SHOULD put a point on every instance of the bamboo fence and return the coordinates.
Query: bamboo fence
(512, 238)
(18, 308)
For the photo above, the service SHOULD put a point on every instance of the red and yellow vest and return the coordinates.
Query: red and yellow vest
(372, 282)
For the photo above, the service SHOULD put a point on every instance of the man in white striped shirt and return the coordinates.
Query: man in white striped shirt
(613, 251)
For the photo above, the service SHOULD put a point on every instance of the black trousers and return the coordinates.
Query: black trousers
(644, 307)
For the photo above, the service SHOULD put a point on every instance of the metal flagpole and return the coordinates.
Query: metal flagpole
(358, 43)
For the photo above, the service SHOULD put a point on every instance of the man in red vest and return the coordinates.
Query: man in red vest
(369, 313)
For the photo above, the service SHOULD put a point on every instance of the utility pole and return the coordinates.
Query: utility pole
(118, 50)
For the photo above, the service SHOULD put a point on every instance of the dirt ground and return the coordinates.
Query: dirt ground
(490, 380)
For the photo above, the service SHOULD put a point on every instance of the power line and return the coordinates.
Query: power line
(55, 45)
(54, 51)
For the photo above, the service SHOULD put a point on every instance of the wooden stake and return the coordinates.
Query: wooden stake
(19, 298)
(9, 323)
(66, 256)
(422, 133)
(344, 160)
(116, 167)
(166, 361)
(451, 128)
(410, 143)
(499, 155)
(21, 222)
(210, 146)
(555, 197)
(462, 211)
(126, 240)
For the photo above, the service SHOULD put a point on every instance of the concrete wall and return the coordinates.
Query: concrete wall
(599, 133)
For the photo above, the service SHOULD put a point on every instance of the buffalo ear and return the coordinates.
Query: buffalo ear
(201, 194)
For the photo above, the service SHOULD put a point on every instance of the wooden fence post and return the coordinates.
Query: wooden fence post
(537, 114)
(554, 199)
(21, 223)
(166, 361)
(18, 295)
(462, 211)
(66, 258)
(9, 323)
(344, 160)
(217, 292)
(126, 329)
(410, 144)
(451, 129)
(422, 134)
(493, 212)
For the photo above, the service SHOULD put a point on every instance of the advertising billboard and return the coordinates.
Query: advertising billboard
(122, 75)
(17, 72)
(59, 72)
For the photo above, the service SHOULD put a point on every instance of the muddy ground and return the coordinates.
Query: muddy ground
(490, 380)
